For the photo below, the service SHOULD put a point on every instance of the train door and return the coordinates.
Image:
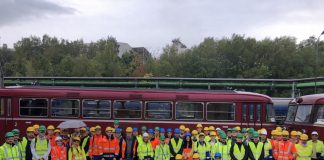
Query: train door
(8, 115)
(251, 115)
(2, 118)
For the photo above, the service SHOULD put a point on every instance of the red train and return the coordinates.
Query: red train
(307, 112)
(25, 106)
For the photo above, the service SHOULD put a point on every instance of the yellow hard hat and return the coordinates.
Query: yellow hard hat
(92, 129)
(195, 155)
(83, 129)
(36, 126)
(238, 128)
(201, 134)
(293, 133)
(178, 157)
(279, 129)
(194, 132)
(211, 128)
(278, 133)
(182, 127)
(304, 137)
(206, 129)
(199, 125)
(299, 133)
(76, 138)
(129, 129)
(50, 127)
(285, 133)
(109, 129)
(259, 131)
(98, 127)
(187, 130)
(57, 131)
(273, 132)
(30, 129)
(213, 133)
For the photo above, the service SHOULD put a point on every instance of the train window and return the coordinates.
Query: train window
(244, 108)
(258, 112)
(65, 108)
(128, 109)
(270, 113)
(291, 113)
(33, 107)
(320, 115)
(96, 108)
(303, 113)
(158, 110)
(2, 107)
(251, 111)
(221, 111)
(189, 110)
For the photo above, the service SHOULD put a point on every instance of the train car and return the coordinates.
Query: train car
(25, 106)
(280, 106)
(307, 113)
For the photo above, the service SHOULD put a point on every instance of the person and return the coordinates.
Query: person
(156, 137)
(85, 140)
(116, 123)
(40, 146)
(255, 148)
(76, 152)
(140, 137)
(9, 151)
(202, 147)
(162, 150)
(238, 150)
(121, 144)
(175, 144)
(96, 144)
(145, 150)
(57, 132)
(195, 156)
(18, 143)
(276, 138)
(169, 136)
(213, 143)
(199, 128)
(217, 156)
(162, 132)
(248, 138)
(131, 144)
(36, 127)
(286, 149)
(50, 135)
(304, 150)
(211, 129)
(26, 141)
(194, 136)
(207, 138)
(187, 147)
(58, 151)
(223, 147)
(294, 137)
(229, 133)
(317, 146)
(92, 131)
(182, 130)
(110, 145)
(267, 145)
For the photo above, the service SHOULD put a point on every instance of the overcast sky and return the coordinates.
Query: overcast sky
(154, 23)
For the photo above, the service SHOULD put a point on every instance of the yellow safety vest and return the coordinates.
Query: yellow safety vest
(162, 152)
(267, 148)
(22, 151)
(223, 150)
(213, 147)
(84, 143)
(9, 152)
(145, 149)
(202, 150)
(207, 139)
(239, 154)
(176, 147)
(41, 146)
(77, 153)
(303, 152)
(319, 147)
(256, 150)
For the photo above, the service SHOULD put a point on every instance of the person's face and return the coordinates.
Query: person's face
(285, 137)
(145, 139)
(213, 137)
(201, 138)
(59, 142)
(30, 134)
(303, 141)
(222, 140)
(109, 133)
(76, 143)
(206, 132)
(245, 134)
(263, 137)
(116, 125)
(118, 134)
(41, 133)
(162, 142)
(129, 134)
(239, 139)
(36, 131)
(256, 139)
(314, 137)
(169, 134)
(182, 131)
(10, 140)
(135, 133)
(293, 137)
(217, 158)
(199, 129)
(279, 138)
(229, 133)
(234, 134)
(156, 133)
(162, 134)
(274, 137)
(16, 137)
(177, 135)
(50, 132)
(187, 138)
(98, 131)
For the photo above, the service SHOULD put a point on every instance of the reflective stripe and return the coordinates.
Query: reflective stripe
(7, 155)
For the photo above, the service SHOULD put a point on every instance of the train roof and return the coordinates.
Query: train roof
(133, 93)
(309, 99)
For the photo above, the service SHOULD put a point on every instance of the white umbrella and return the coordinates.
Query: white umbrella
(72, 124)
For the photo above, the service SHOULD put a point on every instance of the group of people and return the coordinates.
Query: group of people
(202, 143)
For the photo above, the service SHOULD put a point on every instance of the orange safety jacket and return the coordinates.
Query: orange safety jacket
(155, 142)
(96, 145)
(58, 153)
(51, 139)
(275, 152)
(122, 148)
(286, 150)
(110, 146)
(187, 153)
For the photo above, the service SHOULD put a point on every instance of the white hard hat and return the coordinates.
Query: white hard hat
(145, 135)
(314, 132)
(264, 132)
(218, 129)
(58, 138)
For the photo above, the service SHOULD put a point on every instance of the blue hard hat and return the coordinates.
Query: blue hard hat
(218, 155)
(187, 134)
(150, 130)
(135, 129)
(177, 131)
(162, 130)
(169, 130)
(117, 130)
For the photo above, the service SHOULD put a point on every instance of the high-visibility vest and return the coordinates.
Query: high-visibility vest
(176, 147)
(274, 144)
(22, 151)
(162, 152)
(286, 150)
(267, 148)
(51, 139)
(139, 138)
(58, 153)
(239, 154)
(145, 149)
(84, 143)
(110, 146)
(95, 145)
(303, 152)
(41, 146)
(207, 138)
(256, 150)
(77, 153)
(202, 150)
(155, 142)
(213, 147)
(224, 150)
(9, 152)
(122, 148)
(319, 147)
